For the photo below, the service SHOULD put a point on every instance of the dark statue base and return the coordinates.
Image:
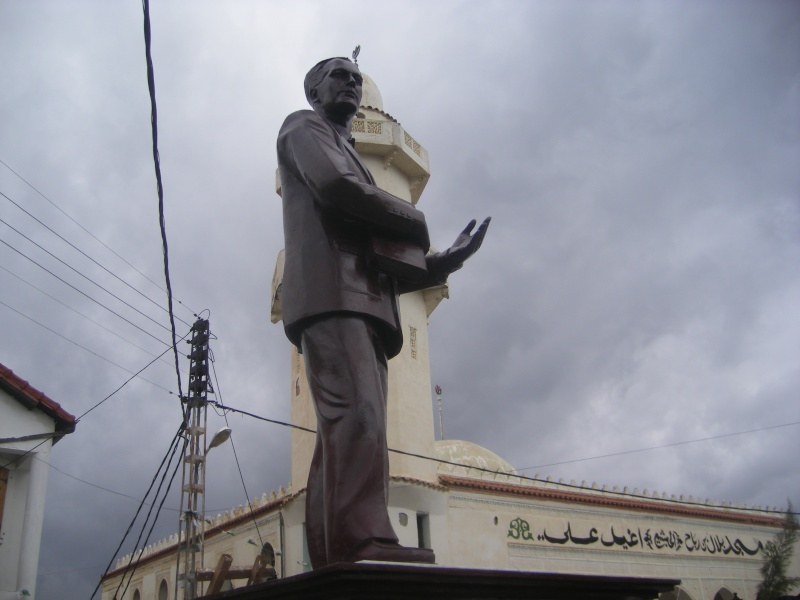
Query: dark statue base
(391, 581)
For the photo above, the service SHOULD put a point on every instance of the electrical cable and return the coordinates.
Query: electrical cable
(85, 294)
(77, 312)
(110, 491)
(235, 456)
(100, 356)
(415, 455)
(153, 523)
(125, 383)
(714, 437)
(101, 242)
(516, 475)
(87, 278)
(150, 531)
(151, 86)
(77, 419)
(94, 485)
(66, 241)
(170, 453)
(24, 454)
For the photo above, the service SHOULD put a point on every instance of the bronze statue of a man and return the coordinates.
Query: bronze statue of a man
(340, 308)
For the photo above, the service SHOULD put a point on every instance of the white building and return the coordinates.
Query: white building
(30, 424)
(473, 509)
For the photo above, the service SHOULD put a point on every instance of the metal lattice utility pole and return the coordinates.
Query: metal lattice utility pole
(193, 499)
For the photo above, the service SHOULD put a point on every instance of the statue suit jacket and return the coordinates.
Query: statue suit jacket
(330, 206)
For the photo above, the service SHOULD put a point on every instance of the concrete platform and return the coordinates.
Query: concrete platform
(390, 581)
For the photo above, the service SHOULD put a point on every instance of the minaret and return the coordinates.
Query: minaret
(400, 166)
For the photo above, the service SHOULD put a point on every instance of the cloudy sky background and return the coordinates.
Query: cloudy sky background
(638, 287)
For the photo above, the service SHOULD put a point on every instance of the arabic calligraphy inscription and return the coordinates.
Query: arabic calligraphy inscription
(520, 529)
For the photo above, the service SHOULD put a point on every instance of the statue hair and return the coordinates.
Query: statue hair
(315, 75)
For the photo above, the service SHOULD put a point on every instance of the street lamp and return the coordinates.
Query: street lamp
(219, 438)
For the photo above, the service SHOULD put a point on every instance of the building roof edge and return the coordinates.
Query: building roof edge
(31, 398)
(591, 497)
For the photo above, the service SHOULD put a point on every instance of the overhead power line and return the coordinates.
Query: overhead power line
(80, 291)
(86, 277)
(73, 342)
(78, 418)
(673, 444)
(19, 457)
(105, 489)
(496, 472)
(152, 523)
(151, 86)
(106, 269)
(174, 447)
(110, 491)
(235, 455)
(101, 242)
(94, 485)
(77, 312)
(127, 381)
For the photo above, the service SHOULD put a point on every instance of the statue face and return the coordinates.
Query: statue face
(339, 92)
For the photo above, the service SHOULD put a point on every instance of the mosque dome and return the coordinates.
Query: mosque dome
(470, 455)
(370, 94)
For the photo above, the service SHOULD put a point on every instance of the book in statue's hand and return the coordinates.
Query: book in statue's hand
(400, 259)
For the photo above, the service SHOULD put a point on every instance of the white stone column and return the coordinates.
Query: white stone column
(32, 526)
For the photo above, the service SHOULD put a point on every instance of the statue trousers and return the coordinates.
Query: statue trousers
(348, 482)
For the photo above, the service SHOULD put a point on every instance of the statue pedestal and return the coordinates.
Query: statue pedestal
(392, 581)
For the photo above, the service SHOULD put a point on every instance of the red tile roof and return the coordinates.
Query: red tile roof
(604, 499)
(31, 398)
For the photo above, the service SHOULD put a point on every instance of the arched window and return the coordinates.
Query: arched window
(163, 590)
(725, 594)
(137, 595)
(676, 594)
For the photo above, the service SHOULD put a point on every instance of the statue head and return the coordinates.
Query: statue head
(333, 88)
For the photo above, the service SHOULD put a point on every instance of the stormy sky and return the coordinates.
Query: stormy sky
(638, 287)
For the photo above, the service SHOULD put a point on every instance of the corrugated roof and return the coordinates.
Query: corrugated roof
(31, 398)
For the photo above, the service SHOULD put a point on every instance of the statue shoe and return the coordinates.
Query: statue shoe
(390, 552)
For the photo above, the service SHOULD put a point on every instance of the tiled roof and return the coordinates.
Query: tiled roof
(31, 398)
(384, 113)
(609, 500)
(414, 481)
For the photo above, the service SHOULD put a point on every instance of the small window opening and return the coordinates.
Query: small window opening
(423, 530)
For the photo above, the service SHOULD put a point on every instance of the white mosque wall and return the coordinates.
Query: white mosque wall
(485, 524)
